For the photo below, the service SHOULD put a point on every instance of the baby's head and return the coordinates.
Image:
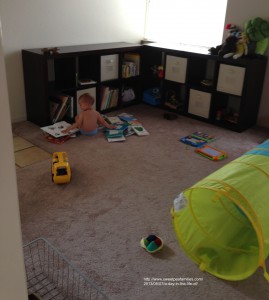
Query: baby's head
(86, 101)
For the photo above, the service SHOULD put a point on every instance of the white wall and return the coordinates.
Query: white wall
(238, 12)
(36, 23)
(12, 275)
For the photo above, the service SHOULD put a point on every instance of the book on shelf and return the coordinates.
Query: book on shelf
(114, 98)
(86, 81)
(54, 108)
(135, 58)
(58, 107)
(109, 97)
(128, 69)
(104, 94)
(70, 108)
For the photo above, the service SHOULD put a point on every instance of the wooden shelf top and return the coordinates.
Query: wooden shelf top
(119, 46)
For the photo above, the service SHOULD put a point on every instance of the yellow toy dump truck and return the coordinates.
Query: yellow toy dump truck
(60, 168)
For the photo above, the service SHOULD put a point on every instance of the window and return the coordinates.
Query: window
(190, 22)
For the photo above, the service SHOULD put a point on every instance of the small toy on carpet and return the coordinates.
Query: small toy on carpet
(152, 243)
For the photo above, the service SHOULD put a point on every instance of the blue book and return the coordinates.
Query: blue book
(193, 141)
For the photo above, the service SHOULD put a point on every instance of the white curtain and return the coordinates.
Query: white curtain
(190, 22)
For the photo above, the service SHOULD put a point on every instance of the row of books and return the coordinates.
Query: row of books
(109, 97)
(132, 61)
(128, 69)
(61, 106)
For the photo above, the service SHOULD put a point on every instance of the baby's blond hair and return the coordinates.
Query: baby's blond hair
(87, 98)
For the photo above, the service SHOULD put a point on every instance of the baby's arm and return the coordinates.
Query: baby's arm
(103, 122)
(77, 124)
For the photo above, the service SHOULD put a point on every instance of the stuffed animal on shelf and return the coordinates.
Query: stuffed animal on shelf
(241, 46)
(257, 31)
(228, 48)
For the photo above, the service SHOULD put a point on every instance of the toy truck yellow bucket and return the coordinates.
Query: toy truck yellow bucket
(224, 227)
(60, 168)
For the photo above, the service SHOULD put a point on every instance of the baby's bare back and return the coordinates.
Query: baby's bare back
(89, 120)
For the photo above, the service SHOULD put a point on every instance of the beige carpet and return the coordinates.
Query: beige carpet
(26, 153)
(121, 192)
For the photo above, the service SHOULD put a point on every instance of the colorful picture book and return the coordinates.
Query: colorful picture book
(203, 136)
(192, 141)
(56, 129)
(113, 133)
(197, 139)
(140, 130)
(113, 120)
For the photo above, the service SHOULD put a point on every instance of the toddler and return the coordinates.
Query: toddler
(87, 121)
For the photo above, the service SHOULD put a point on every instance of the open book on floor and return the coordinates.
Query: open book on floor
(56, 129)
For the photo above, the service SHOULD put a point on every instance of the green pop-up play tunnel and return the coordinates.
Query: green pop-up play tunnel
(224, 227)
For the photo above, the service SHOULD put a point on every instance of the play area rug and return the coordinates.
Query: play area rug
(26, 153)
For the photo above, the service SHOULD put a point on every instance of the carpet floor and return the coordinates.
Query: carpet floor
(121, 192)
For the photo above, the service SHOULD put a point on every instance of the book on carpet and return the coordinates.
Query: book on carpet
(192, 141)
(116, 139)
(113, 120)
(56, 129)
(59, 140)
(121, 127)
(140, 130)
(197, 139)
(126, 117)
(112, 133)
(203, 136)
(134, 123)
(128, 131)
